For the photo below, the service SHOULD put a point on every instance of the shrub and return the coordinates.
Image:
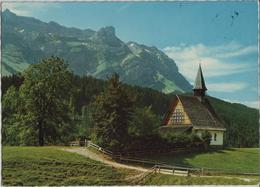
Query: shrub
(206, 138)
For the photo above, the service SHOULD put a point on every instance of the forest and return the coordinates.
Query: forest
(49, 105)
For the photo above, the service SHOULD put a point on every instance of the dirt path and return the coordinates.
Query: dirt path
(94, 156)
(98, 157)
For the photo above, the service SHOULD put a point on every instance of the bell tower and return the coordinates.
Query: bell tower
(199, 88)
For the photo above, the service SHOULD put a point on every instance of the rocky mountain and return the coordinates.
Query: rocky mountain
(26, 40)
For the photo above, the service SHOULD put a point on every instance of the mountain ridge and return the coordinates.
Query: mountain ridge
(98, 53)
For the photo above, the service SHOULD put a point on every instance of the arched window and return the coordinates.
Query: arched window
(215, 136)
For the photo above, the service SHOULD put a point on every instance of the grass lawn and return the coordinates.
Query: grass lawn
(52, 166)
(160, 179)
(246, 159)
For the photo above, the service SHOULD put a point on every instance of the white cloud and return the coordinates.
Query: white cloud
(16, 8)
(123, 7)
(228, 50)
(215, 60)
(226, 87)
(240, 52)
(28, 8)
(252, 104)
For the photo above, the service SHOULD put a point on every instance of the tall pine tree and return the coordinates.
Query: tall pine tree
(112, 115)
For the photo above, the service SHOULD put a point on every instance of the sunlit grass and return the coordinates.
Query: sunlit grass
(52, 166)
(245, 159)
(160, 179)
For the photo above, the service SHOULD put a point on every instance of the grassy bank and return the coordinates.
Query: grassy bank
(52, 166)
(160, 179)
(246, 159)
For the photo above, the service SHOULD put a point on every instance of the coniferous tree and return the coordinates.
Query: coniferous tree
(144, 122)
(240, 121)
(112, 115)
(87, 123)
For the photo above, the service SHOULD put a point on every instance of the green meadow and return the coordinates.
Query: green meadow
(244, 159)
(160, 179)
(52, 166)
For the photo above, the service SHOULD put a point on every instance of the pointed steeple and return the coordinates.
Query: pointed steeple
(199, 88)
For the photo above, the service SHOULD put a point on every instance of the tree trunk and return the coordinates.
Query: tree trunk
(41, 134)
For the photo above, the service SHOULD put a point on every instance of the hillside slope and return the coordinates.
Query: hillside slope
(50, 166)
(98, 53)
(240, 121)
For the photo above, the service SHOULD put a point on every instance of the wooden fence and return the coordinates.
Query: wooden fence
(78, 143)
(176, 150)
(163, 167)
(140, 179)
(100, 149)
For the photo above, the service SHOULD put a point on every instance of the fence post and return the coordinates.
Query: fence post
(201, 171)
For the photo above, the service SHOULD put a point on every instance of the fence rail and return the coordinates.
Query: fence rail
(77, 143)
(141, 178)
(175, 150)
(157, 165)
(105, 151)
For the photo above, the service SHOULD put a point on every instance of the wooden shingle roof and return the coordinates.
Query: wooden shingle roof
(201, 113)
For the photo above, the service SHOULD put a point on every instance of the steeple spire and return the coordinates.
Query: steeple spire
(199, 88)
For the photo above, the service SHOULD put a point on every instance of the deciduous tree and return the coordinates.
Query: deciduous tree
(46, 93)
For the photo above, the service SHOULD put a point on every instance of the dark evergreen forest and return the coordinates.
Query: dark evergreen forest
(240, 121)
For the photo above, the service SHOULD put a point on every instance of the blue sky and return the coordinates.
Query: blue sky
(222, 36)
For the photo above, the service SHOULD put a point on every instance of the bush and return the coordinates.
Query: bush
(142, 143)
(206, 138)
(169, 141)
(182, 140)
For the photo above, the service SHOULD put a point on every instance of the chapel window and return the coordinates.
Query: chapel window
(178, 116)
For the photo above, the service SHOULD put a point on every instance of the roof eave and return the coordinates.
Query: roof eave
(209, 128)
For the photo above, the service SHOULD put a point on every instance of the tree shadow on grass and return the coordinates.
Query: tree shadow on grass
(244, 151)
(182, 159)
(226, 159)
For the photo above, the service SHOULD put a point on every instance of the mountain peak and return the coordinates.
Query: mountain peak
(108, 31)
(7, 12)
(107, 35)
(98, 53)
(53, 23)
